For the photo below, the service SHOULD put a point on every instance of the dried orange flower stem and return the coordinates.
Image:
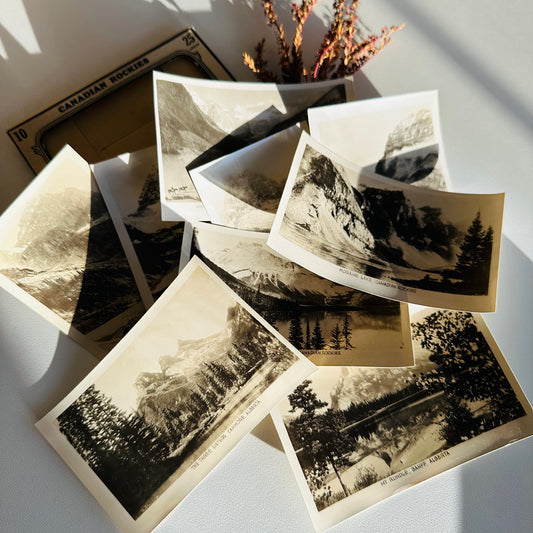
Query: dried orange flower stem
(339, 55)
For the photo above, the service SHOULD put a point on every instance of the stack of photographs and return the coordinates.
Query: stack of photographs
(198, 121)
(273, 270)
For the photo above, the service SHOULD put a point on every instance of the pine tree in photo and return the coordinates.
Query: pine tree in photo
(336, 337)
(486, 256)
(319, 435)
(171, 423)
(197, 404)
(346, 332)
(317, 340)
(295, 333)
(130, 456)
(303, 397)
(307, 345)
(212, 381)
(473, 261)
(224, 376)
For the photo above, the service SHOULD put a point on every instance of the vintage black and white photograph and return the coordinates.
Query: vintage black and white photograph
(198, 121)
(388, 238)
(394, 136)
(242, 190)
(355, 436)
(130, 187)
(329, 323)
(194, 376)
(60, 254)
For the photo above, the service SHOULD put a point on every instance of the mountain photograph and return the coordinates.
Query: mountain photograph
(200, 121)
(356, 428)
(395, 136)
(329, 323)
(65, 253)
(190, 373)
(242, 190)
(411, 154)
(410, 237)
(156, 243)
(130, 188)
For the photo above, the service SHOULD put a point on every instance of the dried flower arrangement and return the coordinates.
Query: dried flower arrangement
(339, 55)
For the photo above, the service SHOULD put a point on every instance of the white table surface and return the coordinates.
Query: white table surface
(478, 54)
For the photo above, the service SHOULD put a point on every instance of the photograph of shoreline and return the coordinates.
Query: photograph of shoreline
(355, 436)
(329, 323)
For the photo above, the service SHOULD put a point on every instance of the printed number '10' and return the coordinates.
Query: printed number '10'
(20, 135)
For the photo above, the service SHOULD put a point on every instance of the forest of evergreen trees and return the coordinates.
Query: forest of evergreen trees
(134, 457)
(471, 272)
(130, 456)
(339, 337)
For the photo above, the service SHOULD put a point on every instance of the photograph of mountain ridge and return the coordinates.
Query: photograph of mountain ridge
(62, 249)
(395, 136)
(388, 238)
(242, 190)
(194, 376)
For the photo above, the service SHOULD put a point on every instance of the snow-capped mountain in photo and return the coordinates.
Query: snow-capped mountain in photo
(256, 266)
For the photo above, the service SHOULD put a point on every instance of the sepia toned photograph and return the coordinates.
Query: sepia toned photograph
(395, 136)
(129, 185)
(198, 121)
(355, 436)
(387, 238)
(242, 190)
(329, 323)
(192, 378)
(60, 254)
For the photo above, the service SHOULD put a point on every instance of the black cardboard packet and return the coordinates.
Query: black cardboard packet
(115, 113)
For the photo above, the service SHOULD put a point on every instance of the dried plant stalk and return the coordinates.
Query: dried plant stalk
(339, 55)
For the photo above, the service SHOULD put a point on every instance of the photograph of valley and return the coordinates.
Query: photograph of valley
(201, 120)
(329, 323)
(242, 190)
(194, 368)
(58, 244)
(351, 428)
(392, 235)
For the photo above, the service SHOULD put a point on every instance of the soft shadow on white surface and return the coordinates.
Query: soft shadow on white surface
(33, 476)
(71, 363)
(27, 340)
(488, 79)
(16, 22)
